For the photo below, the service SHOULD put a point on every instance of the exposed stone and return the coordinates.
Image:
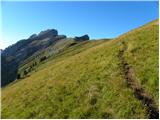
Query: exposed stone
(32, 36)
(24, 49)
(61, 37)
(48, 33)
(82, 38)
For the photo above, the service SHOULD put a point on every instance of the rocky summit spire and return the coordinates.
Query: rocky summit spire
(48, 32)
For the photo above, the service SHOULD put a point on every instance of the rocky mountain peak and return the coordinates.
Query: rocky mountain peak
(48, 32)
(13, 55)
(32, 36)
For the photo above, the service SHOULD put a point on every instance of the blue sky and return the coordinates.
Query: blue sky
(97, 19)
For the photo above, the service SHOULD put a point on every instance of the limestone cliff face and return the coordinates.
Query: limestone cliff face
(15, 54)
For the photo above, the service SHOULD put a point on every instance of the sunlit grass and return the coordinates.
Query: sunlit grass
(86, 81)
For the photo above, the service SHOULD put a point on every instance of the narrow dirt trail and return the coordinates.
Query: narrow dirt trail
(132, 83)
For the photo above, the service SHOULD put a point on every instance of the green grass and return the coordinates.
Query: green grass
(142, 54)
(86, 81)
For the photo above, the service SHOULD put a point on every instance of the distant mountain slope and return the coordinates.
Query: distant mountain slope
(14, 55)
(94, 79)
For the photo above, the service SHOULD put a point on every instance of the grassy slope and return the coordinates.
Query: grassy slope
(88, 84)
(142, 55)
(66, 51)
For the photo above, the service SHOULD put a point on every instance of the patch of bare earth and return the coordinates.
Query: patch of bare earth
(138, 91)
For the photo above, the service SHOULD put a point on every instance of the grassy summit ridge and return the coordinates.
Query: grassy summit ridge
(88, 81)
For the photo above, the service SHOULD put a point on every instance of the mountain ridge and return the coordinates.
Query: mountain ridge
(13, 55)
(115, 78)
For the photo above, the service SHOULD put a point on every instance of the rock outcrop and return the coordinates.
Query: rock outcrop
(15, 54)
(18, 52)
(82, 38)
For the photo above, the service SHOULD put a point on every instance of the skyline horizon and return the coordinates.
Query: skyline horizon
(97, 19)
(75, 36)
